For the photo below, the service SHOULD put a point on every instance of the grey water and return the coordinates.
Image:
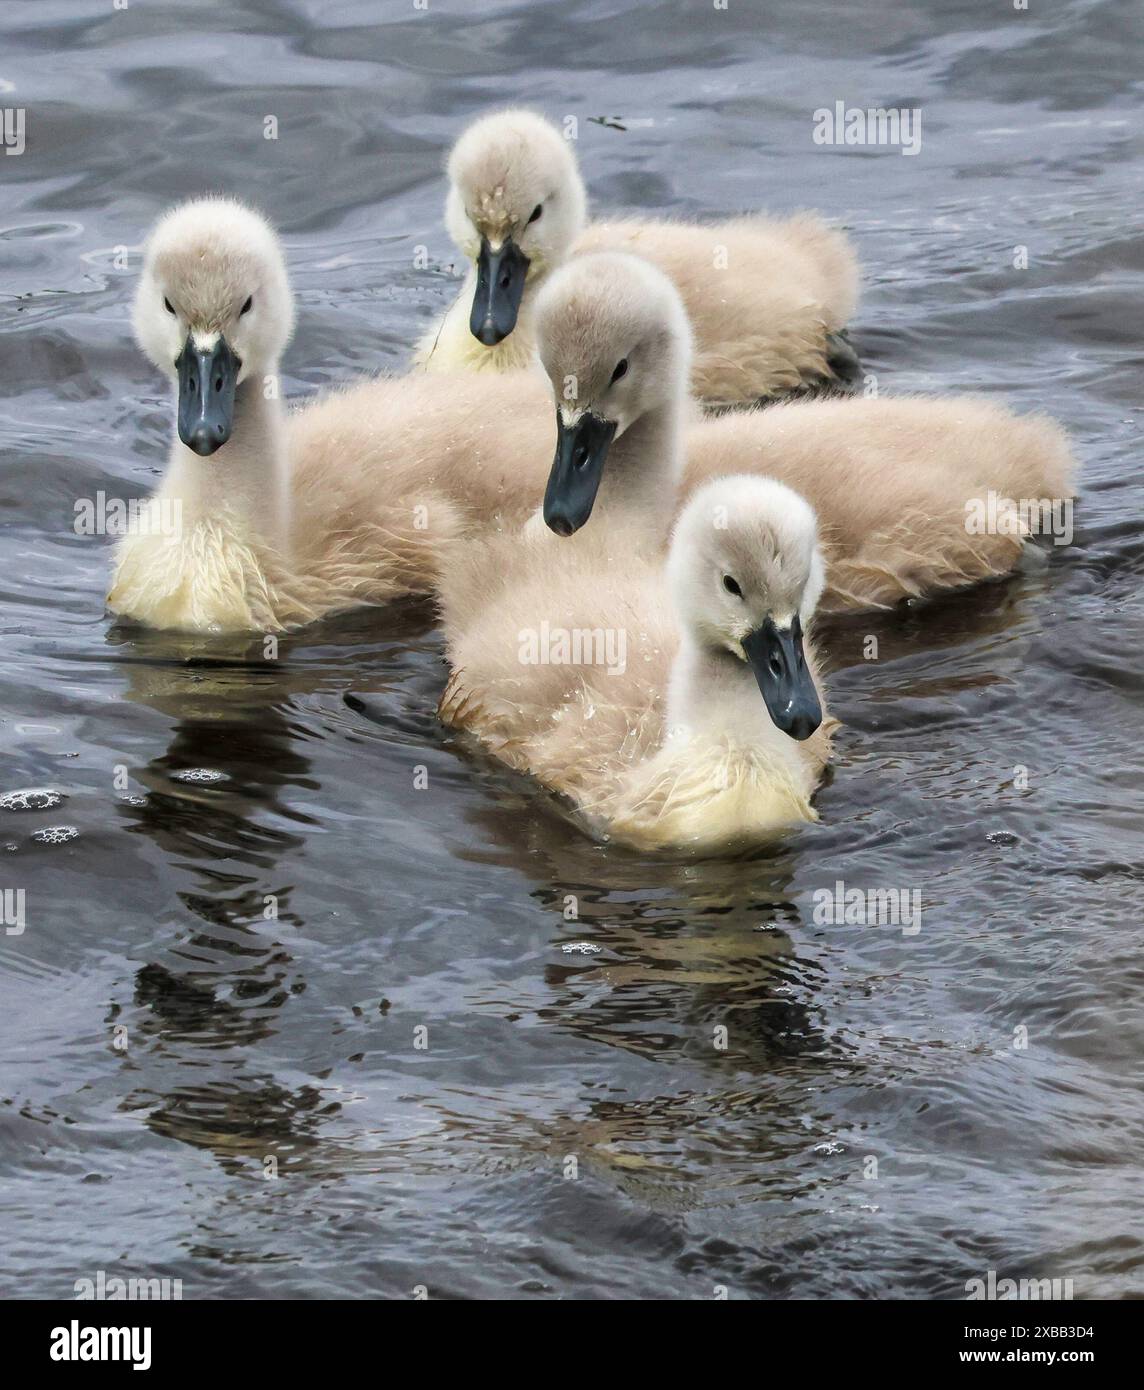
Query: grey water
(305, 1027)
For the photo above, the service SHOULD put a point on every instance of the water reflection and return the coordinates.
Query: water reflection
(222, 972)
(244, 1121)
(702, 967)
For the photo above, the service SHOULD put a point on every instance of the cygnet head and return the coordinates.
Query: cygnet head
(615, 340)
(746, 573)
(515, 205)
(212, 309)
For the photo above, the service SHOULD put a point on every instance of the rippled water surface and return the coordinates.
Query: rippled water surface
(163, 1039)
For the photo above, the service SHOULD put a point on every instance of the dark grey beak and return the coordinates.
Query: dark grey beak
(206, 395)
(581, 453)
(500, 287)
(779, 664)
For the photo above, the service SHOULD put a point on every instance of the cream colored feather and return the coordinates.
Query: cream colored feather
(894, 481)
(765, 295)
(353, 499)
(704, 773)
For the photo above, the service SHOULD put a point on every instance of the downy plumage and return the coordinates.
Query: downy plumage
(890, 480)
(672, 708)
(282, 517)
(767, 296)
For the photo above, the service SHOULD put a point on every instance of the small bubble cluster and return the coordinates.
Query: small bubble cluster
(55, 834)
(31, 799)
(198, 775)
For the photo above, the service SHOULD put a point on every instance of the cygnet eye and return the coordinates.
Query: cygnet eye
(621, 369)
(246, 308)
(170, 308)
(732, 586)
(536, 211)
